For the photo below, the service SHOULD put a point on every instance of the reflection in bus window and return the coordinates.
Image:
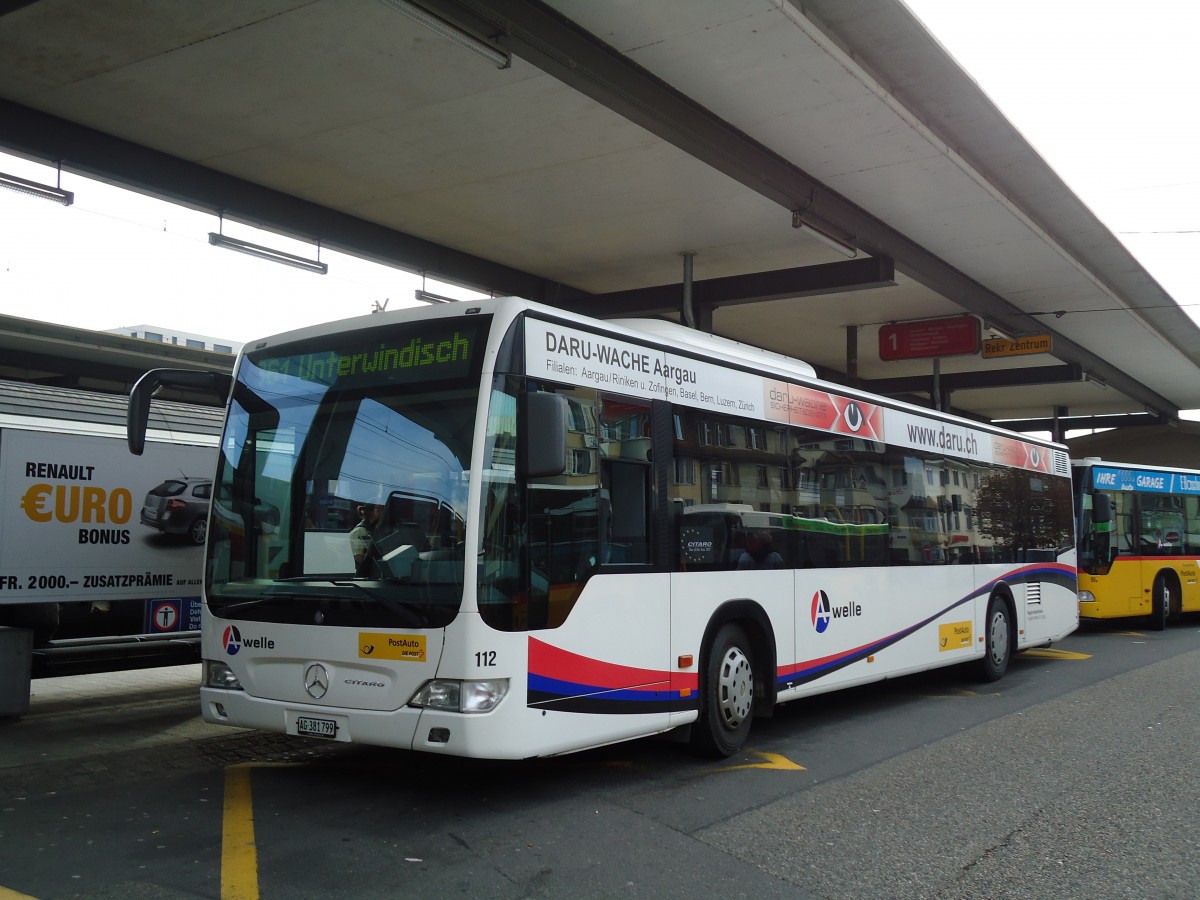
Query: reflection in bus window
(929, 509)
(542, 541)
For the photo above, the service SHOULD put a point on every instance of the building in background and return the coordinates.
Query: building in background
(162, 335)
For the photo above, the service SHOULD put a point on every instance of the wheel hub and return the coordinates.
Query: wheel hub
(998, 638)
(735, 688)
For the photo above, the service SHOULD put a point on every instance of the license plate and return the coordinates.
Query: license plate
(310, 727)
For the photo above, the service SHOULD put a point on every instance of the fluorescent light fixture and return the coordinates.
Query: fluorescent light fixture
(828, 240)
(426, 297)
(497, 57)
(33, 189)
(287, 259)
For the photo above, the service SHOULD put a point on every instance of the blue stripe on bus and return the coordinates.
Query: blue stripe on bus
(544, 684)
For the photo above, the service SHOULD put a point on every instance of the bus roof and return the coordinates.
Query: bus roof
(711, 343)
(713, 349)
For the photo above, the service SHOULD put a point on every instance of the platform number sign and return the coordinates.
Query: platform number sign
(929, 338)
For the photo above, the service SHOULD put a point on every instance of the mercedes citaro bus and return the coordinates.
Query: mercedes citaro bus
(1139, 541)
(565, 505)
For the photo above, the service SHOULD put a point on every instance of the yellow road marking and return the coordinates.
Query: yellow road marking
(1051, 653)
(10, 894)
(239, 855)
(239, 851)
(773, 761)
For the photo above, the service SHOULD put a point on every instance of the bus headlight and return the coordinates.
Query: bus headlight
(1087, 597)
(454, 695)
(219, 675)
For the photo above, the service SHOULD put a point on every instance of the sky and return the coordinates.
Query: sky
(1105, 91)
(115, 258)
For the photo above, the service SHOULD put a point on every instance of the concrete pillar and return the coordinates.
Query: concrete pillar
(16, 666)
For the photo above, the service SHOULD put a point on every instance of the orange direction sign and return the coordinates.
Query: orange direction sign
(1022, 346)
(955, 336)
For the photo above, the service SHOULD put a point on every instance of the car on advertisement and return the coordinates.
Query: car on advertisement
(179, 506)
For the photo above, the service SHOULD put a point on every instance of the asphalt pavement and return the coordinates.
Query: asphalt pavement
(82, 730)
(79, 716)
(1092, 793)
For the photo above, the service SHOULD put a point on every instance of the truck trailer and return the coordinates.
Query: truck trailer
(101, 552)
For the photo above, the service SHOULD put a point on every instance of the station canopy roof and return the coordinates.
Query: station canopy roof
(830, 167)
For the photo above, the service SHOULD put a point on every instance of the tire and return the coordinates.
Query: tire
(997, 640)
(727, 701)
(198, 530)
(1160, 603)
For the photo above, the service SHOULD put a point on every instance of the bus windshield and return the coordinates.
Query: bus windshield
(342, 479)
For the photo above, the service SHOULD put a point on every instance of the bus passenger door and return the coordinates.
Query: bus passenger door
(603, 647)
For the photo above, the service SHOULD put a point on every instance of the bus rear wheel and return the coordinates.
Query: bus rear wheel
(997, 640)
(727, 703)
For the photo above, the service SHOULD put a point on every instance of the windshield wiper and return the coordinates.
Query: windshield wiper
(265, 598)
(409, 617)
(404, 610)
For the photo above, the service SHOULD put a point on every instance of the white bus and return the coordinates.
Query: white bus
(569, 550)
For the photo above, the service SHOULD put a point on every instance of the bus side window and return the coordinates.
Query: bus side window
(704, 543)
(1191, 535)
(1122, 517)
(626, 535)
(803, 552)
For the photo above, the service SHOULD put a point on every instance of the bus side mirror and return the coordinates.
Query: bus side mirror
(545, 435)
(1101, 512)
(138, 413)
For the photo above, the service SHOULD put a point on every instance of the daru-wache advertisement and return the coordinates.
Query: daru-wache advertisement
(84, 519)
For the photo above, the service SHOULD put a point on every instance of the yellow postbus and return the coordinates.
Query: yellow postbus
(1139, 541)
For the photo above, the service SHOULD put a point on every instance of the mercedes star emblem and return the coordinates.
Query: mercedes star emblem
(316, 681)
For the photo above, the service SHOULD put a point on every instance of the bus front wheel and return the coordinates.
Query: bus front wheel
(727, 704)
(997, 639)
(1161, 597)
